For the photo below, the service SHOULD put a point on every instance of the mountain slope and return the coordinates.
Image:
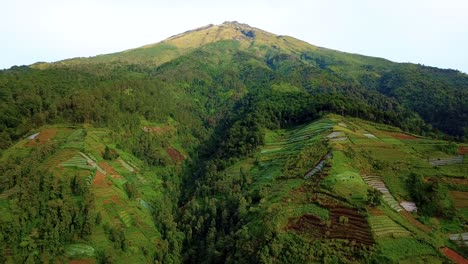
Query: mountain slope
(435, 94)
(306, 196)
(223, 124)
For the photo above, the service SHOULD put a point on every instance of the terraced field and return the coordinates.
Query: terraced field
(79, 250)
(79, 162)
(383, 226)
(125, 218)
(318, 167)
(344, 223)
(377, 183)
(446, 161)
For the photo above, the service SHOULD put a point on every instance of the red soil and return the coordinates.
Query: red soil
(454, 256)
(398, 135)
(463, 150)
(113, 199)
(110, 170)
(44, 136)
(175, 155)
(99, 180)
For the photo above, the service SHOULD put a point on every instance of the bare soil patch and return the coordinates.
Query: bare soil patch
(43, 137)
(100, 180)
(463, 150)
(175, 155)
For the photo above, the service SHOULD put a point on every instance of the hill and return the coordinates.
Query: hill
(224, 144)
(337, 189)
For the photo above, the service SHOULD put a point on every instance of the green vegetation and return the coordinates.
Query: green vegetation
(216, 146)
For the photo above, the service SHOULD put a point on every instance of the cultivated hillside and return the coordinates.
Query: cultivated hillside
(231, 144)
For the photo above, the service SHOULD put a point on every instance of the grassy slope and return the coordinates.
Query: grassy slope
(111, 202)
(385, 155)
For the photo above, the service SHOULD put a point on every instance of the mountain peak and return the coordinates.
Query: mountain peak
(235, 23)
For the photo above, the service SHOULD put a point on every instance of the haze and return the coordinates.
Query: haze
(432, 33)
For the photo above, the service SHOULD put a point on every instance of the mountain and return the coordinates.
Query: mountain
(231, 144)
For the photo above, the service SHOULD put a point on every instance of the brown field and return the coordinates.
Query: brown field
(460, 199)
(376, 211)
(454, 256)
(99, 180)
(110, 170)
(157, 130)
(175, 155)
(113, 199)
(463, 150)
(398, 135)
(44, 136)
(356, 229)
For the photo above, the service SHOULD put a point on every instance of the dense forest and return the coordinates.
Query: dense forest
(223, 95)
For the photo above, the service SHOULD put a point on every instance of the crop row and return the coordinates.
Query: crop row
(377, 183)
(446, 161)
(382, 225)
(125, 218)
(79, 250)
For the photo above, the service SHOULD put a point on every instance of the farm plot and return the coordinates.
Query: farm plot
(409, 206)
(92, 163)
(446, 161)
(382, 226)
(347, 223)
(402, 136)
(460, 239)
(57, 159)
(125, 165)
(78, 162)
(318, 167)
(344, 223)
(76, 139)
(369, 135)
(463, 150)
(125, 218)
(42, 137)
(104, 192)
(175, 155)
(460, 199)
(79, 250)
(377, 183)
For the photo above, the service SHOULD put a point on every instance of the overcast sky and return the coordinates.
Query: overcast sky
(430, 32)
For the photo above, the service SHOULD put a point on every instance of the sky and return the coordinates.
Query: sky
(429, 32)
